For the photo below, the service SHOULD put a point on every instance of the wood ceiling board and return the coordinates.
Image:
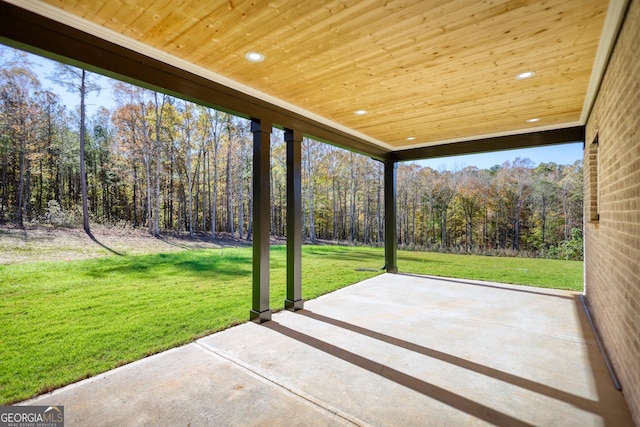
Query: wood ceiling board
(388, 57)
(330, 94)
(510, 112)
(393, 64)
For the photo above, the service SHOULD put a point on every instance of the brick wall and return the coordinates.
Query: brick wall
(612, 209)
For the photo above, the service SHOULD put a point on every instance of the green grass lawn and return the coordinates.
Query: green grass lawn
(546, 273)
(64, 321)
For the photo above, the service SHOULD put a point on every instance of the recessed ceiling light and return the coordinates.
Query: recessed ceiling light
(533, 120)
(525, 75)
(360, 112)
(411, 138)
(254, 57)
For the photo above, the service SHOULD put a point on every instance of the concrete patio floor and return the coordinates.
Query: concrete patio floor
(394, 350)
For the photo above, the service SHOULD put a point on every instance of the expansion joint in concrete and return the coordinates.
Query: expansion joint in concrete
(320, 405)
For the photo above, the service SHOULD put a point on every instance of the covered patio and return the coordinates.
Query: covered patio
(392, 350)
(395, 81)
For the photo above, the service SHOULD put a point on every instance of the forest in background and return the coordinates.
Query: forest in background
(168, 165)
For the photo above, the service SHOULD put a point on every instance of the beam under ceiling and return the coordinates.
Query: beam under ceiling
(510, 142)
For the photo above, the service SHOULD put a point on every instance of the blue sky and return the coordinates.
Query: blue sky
(564, 154)
(44, 68)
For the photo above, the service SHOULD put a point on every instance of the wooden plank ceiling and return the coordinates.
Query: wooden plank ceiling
(429, 70)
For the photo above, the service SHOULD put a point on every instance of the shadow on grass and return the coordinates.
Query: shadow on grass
(346, 255)
(356, 255)
(113, 251)
(170, 243)
(196, 263)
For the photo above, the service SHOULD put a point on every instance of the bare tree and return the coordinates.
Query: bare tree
(159, 110)
(215, 132)
(17, 90)
(80, 81)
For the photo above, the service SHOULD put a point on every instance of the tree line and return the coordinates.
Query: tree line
(169, 165)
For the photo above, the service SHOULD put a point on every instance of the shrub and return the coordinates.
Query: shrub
(58, 217)
(54, 214)
(572, 249)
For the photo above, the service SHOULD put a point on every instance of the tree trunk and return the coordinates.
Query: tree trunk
(443, 229)
(515, 245)
(61, 179)
(229, 190)
(250, 217)
(544, 219)
(365, 211)
(83, 176)
(27, 190)
(241, 211)
(170, 223)
(380, 203)
(190, 203)
(312, 218)
(158, 171)
(335, 208)
(147, 166)
(135, 195)
(213, 126)
(352, 208)
(214, 202)
(272, 205)
(4, 205)
(352, 213)
(195, 191)
(40, 185)
(20, 194)
(206, 189)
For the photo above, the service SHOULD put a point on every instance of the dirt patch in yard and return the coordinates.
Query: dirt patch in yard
(42, 243)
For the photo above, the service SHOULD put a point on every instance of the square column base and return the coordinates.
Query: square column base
(392, 269)
(293, 305)
(260, 316)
